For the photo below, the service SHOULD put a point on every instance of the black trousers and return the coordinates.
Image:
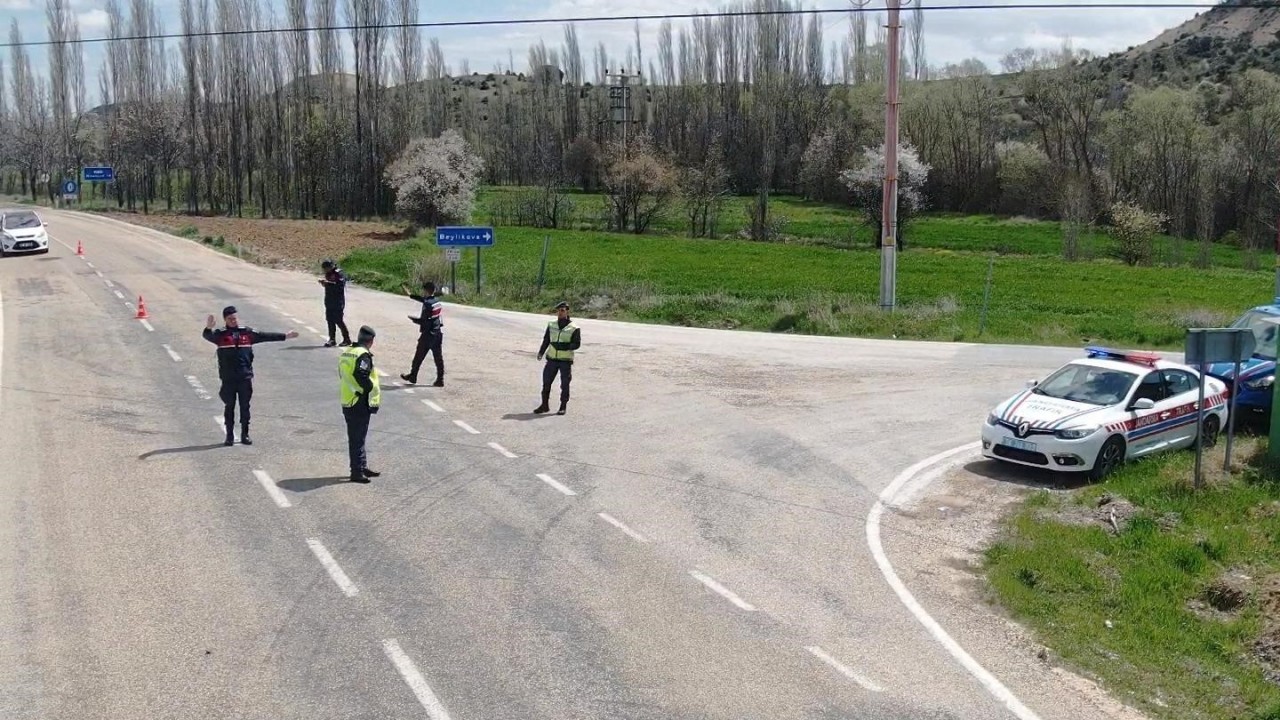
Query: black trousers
(565, 370)
(231, 392)
(357, 418)
(333, 316)
(428, 343)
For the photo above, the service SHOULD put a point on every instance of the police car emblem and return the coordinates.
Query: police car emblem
(1024, 429)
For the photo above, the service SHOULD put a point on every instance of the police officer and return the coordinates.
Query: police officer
(559, 341)
(361, 395)
(431, 333)
(335, 301)
(235, 366)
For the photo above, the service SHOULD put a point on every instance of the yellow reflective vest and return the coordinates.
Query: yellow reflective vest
(351, 389)
(560, 335)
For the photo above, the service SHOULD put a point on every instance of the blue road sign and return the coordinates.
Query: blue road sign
(464, 236)
(69, 187)
(99, 173)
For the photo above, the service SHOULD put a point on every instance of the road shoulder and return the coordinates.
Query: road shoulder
(936, 541)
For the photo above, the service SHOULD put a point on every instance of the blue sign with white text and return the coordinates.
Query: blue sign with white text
(464, 236)
(69, 187)
(99, 173)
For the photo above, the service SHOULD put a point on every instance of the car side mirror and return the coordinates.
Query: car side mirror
(1143, 404)
(46, 223)
(1032, 383)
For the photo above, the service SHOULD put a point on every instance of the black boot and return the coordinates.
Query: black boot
(244, 435)
(544, 407)
(231, 438)
(438, 383)
(371, 473)
(411, 379)
(563, 408)
(358, 477)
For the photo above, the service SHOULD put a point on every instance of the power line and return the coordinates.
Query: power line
(591, 19)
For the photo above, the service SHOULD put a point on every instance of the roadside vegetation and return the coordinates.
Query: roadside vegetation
(1168, 595)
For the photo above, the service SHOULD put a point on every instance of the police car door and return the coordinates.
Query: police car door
(1148, 428)
(1180, 414)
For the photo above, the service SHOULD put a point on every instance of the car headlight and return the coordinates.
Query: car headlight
(1261, 383)
(1075, 433)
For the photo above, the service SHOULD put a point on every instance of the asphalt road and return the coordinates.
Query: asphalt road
(688, 542)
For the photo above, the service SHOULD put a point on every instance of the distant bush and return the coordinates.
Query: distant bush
(1134, 231)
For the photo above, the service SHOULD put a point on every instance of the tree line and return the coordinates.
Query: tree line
(309, 123)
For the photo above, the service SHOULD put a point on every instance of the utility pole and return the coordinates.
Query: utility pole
(889, 210)
(620, 107)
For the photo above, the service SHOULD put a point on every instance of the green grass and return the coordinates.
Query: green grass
(823, 290)
(1067, 580)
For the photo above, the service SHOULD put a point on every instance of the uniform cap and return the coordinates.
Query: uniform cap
(228, 310)
(562, 304)
(366, 333)
(326, 264)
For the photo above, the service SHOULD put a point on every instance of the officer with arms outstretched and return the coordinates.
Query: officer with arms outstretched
(335, 302)
(431, 337)
(559, 341)
(361, 395)
(235, 366)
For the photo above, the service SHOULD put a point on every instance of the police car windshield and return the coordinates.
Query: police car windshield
(1088, 384)
(1264, 331)
(13, 221)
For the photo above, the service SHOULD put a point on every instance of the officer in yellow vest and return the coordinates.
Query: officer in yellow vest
(558, 343)
(361, 396)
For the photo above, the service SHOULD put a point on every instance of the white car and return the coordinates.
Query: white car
(22, 231)
(1093, 414)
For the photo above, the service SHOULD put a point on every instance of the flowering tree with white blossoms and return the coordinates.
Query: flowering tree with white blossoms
(866, 182)
(435, 180)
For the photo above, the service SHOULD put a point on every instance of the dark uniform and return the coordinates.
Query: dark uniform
(361, 396)
(559, 341)
(335, 302)
(235, 368)
(430, 337)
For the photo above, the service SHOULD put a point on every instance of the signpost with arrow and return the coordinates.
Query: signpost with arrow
(459, 237)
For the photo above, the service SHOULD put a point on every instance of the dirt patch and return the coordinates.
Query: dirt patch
(1266, 649)
(1112, 512)
(295, 244)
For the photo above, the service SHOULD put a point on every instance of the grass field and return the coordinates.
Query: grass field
(823, 290)
(1176, 612)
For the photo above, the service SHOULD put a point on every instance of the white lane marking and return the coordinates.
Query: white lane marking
(335, 571)
(220, 422)
(277, 307)
(176, 357)
(433, 406)
(194, 382)
(98, 273)
(109, 283)
(82, 257)
(269, 485)
(505, 452)
(466, 427)
(418, 684)
(618, 524)
(147, 325)
(294, 320)
(552, 482)
(721, 590)
(119, 294)
(843, 669)
(313, 330)
(889, 496)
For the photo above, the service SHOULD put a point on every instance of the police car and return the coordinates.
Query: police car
(1093, 414)
(1255, 386)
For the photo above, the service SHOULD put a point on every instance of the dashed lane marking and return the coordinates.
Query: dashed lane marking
(194, 382)
(312, 330)
(433, 406)
(119, 294)
(270, 486)
(418, 684)
(147, 325)
(335, 571)
(505, 452)
(843, 669)
(176, 357)
(466, 427)
(722, 591)
(109, 283)
(618, 524)
(555, 484)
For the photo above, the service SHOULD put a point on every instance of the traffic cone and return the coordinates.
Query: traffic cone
(79, 248)
(142, 309)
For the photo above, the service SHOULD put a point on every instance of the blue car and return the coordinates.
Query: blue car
(1253, 388)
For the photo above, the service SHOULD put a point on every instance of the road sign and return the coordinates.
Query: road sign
(99, 174)
(453, 254)
(464, 236)
(1221, 345)
(69, 188)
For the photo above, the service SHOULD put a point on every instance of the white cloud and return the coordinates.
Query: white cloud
(17, 5)
(92, 20)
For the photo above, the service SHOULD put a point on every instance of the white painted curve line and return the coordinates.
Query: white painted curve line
(721, 590)
(843, 669)
(109, 283)
(335, 571)
(312, 330)
(294, 320)
(505, 452)
(119, 294)
(552, 482)
(888, 497)
(417, 683)
(618, 524)
(147, 325)
(433, 406)
(176, 357)
(466, 427)
(269, 485)
(194, 382)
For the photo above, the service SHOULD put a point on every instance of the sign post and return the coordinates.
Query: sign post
(460, 237)
(69, 190)
(1207, 346)
(453, 255)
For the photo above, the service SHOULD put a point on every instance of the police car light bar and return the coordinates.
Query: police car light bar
(1142, 358)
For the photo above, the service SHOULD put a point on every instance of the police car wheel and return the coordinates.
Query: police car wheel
(1110, 457)
(1209, 431)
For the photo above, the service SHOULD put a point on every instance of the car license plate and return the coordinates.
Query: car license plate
(1019, 444)
(27, 245)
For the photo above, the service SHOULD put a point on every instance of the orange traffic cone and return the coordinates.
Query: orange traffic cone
(79, 248)
(142, 309)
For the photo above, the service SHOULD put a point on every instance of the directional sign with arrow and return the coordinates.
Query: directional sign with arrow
(464, 236)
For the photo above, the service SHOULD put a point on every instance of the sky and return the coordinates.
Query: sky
(950, 36)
